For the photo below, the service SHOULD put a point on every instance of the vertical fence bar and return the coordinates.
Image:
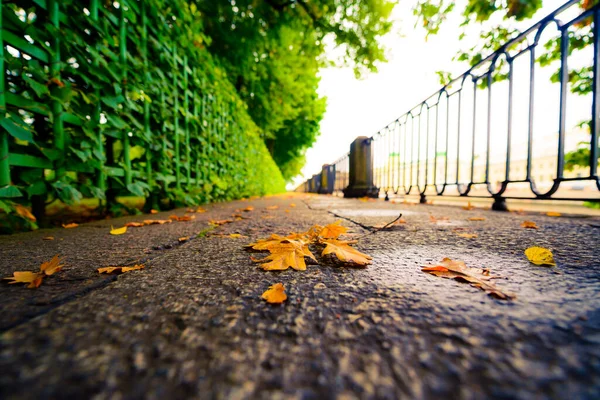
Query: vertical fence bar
(564, 83)
(55, 106)
(489, 126)
(176, 119)
(595, 122)
(101, 178)
(186, 122)
(4, 167)
(471, 180)
(147, 131)
(123, 62)
(531, 112)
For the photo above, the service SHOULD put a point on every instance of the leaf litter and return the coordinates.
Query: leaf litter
(34, 279)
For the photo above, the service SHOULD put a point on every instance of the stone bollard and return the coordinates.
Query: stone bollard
(361, 170)
(327, 179)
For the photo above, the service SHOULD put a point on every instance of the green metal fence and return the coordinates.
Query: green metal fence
(100, 99)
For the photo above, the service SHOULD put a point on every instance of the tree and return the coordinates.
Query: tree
(272, 51)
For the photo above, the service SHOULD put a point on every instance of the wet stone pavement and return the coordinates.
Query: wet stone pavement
(192, 324)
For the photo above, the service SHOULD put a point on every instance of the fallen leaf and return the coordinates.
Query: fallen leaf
(529, 224)
(196, 210)
(467, 235)
(468, 207)
(184, 239)
(333, 231)
(267, 244)
(272, 207)
(553, 214)
(52, 266)
(119, 270)
(477, 219)
(48, 238)
(364, 199)
(236, 236)
(71, 225)
(477, 277)
(436, 219)
(275, 294)
(183, 218)
(292, 205)
(540, 256)
(267, 217)
(25, 213)
(344, 252)
(220, 222)
(34, 279)
(153, 211)
(118, 231)
(248, 209)
(287, 211)
(134, 224)
(156, 221)
(288, 253)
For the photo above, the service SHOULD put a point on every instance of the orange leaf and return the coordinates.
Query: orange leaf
(272, 207)
(292, 205)
(477, 219)
(153, 211)
(248, 209)
(344, 252)
(553, 214)
(434, 219)
(467, 235)
(156, 221)
(52, 266)
(48, 238)
(468, 207)
(71, 225)
(220, 222)
(333, 231)
(288, 253)
(119, 270)
(24, 212)
(134, 224)
(275, 294)
(184, 239)
(529, 224)
(34, 279)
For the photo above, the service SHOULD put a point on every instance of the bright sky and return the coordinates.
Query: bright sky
(362, 107)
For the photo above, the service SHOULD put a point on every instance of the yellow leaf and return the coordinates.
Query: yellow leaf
(266, 244)
(71, 225)
(553, 214)
(156, 221)
(288, 253)
(118, 231)
(477, 219)
(540, 256)
(184, 218)
(333, 231)
(134, 224)
(529, 224)
(477, 277)
(48, 238)
(272, 207)
(34, 279)
(108, 270)
(236, 236)
(292, 205)
(119, 270)
(135, 267)
(52, 266)
(275, 294)
(467, 235)
(153, 212)
(344, 252)
(24, 212)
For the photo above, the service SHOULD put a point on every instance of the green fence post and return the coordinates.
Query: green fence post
(186, 106)
(4, 167)
(147, 132)
(197, 128)
(55, 106)
(101, 178)
(176, 121)
(123, 62)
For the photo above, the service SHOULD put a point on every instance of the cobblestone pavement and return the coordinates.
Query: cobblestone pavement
(191, 324)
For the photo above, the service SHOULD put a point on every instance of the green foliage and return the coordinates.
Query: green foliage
(135, 105)
(272, 51)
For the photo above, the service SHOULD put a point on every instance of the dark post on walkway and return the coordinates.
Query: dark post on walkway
(361, 170)
(327, 179)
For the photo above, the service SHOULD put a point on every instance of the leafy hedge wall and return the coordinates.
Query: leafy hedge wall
(120, 98)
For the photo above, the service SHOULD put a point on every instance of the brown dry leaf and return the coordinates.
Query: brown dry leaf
(182, 219)
(272, 207)
(467, 235)
(220, 222)
(468, 207)
(540, 256)
(344, 252)
(275, 294)
(195, 210)
(52, 266)
(333, 231)
(118, 231)
(553, 214)
(477, 219)
(71, 225)
(119, 270)
(134, 224)
(153, 211)
(34, 279)
(24, 212)
(436, 219)
(477, 277)
(287, 253)
(248, 209)
(529, 224)
(48, 238)
(266, 244)
(183, 239)
(156, 221)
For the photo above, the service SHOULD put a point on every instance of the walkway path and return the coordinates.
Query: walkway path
(191, 324)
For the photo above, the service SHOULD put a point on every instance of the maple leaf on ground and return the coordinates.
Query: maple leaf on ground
(34, 279)
(434, 219)
(275, 294)
(182, 219)
(477, 219)
(333, 231)
(553, 214)
(467, 235)
(183, 239)
(477, 277)
(272, 207)
(153, 211)
(134, 224)
(248, 209)
(266, 244)
(156, 221)
(540, 256)
(119, 270)
(529, 224)
(344, 252)
(292, 205)
(71, 225)
(52, 266)
(220, 222)
(287, 253)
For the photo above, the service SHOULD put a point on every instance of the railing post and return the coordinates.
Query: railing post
(4, 167)
(499, 204)
(361, 170)
(317, 183)
(327, 179)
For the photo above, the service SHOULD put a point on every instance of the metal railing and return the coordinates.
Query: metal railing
(475, 136)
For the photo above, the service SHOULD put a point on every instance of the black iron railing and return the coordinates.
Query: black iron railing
(485, 133)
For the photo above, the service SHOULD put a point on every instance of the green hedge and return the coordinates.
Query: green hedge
(104, 98)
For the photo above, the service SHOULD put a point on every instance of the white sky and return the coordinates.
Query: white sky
(362, 107)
